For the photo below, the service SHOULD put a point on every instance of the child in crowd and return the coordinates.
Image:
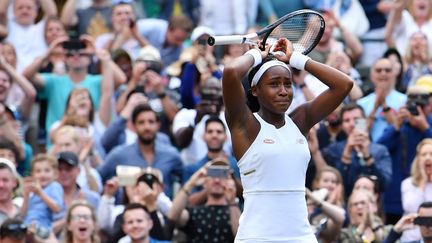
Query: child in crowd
(43, 195)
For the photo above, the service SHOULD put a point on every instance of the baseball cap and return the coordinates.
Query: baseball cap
(426, 82)
(199, 31)
(68, 157)
(10, 166)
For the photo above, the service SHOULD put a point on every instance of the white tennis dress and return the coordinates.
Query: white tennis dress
(273, 172)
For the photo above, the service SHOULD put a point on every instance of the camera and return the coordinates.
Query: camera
(74, 44)
(147, 178)
(423, 221)
(202, 42)
(218, 171)
(415, 100)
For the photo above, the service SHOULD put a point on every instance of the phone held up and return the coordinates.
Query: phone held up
(218, 171)
(361, 125)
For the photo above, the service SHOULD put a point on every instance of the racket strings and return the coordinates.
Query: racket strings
(303, 30)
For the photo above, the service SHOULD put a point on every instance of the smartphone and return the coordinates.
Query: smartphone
(218, 171)
(361, 125)
(423, 221)
(127, 174)
(74, 44)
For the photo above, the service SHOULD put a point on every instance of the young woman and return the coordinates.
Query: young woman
(270, 145)
(418, 187)
(81, 224)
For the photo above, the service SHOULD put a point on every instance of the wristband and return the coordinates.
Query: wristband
(298, 60)
(256, 56)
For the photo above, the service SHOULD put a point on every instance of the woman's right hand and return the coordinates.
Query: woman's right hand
(283, 49)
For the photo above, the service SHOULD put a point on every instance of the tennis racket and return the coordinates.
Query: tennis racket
(304, 28)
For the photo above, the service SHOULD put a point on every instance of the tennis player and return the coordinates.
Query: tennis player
(270, 145)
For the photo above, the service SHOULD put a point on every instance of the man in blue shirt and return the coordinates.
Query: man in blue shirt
(357, 155)
(146, 151)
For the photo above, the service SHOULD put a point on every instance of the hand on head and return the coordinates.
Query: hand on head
(282, 50)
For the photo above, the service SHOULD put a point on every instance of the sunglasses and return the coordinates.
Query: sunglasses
(379, 70)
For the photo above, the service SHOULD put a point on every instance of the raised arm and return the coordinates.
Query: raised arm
(26, 86)
(4, 6)
(241, 122)
(394, 18)
(68, 14)
(339, 85)
(48, 7)
(107, 87)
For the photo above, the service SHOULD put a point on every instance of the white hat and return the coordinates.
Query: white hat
(149, 53)
(10, 166)
(199, 31)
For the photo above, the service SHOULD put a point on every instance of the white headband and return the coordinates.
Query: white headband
(264, 68)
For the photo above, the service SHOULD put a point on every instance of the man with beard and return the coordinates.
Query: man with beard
(214, 136)
(218, 219)
(357, 154)
(146, 151)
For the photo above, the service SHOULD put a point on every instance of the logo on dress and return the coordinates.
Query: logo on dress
(300, 141)
(269, 141)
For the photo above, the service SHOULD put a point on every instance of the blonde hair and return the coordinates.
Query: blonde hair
(45, 158)
(369, 195)
(67, 234)
(69, 131)
(424, 56)
(410, 9)
(416, 167)
(339, 180)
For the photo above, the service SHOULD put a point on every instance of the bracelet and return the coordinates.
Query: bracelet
(366, 158)
(185, 191)
(161, 95)
(298, 60)
(377, 228)
(256, 56)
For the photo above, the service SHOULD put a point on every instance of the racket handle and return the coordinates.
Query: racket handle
(226, 40)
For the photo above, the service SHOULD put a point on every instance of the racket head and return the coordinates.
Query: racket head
(304, 28)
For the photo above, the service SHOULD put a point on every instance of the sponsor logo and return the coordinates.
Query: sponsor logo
(269, 141)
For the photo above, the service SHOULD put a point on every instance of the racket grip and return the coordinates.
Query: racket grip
(226, 40)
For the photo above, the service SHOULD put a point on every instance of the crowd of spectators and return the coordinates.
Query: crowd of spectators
(112, 125)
